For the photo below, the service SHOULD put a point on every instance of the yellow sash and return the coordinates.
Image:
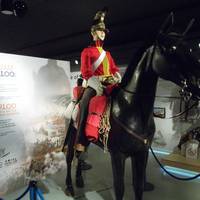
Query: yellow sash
(105, 63)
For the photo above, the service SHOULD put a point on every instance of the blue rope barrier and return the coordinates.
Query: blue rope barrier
(39, 192)
(34, 192)
(24, 193)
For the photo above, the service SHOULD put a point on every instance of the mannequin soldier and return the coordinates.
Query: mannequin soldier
(99, 70)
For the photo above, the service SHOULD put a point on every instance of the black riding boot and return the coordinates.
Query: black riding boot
(84, 103)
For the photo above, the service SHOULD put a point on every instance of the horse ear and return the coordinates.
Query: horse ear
(167, 24)
(188, 27)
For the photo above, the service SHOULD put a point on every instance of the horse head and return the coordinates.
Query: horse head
(175, 61)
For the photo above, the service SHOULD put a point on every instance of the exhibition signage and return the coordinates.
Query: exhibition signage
(34, 93)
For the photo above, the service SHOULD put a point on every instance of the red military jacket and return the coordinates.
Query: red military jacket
(89, 55)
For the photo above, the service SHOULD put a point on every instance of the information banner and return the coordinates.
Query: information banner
(34, 93)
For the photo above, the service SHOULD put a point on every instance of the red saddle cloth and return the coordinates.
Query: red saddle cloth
(97, 107)
(78, 92)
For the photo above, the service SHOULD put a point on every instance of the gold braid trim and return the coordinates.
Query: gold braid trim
(105, 127)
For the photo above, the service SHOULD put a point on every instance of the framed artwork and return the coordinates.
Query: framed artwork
(159, 112)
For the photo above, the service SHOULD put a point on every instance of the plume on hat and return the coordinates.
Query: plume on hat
(98, 21)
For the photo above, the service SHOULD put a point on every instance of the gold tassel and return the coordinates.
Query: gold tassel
(105, 128)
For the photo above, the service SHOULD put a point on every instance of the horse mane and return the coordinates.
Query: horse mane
(132, 65)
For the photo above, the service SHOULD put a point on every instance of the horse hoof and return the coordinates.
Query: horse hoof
(69, 191)
(148, 187)
(79, 182)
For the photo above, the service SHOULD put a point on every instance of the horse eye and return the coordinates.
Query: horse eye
(174, 48)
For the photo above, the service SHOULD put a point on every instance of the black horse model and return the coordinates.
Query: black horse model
(131, 118)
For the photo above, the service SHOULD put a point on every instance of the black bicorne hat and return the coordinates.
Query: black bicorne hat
(98, 22)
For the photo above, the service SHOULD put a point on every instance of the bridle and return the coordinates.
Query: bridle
(185, 95)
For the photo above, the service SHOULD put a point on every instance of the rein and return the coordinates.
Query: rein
(181, 113)
(147, 143)
(140, 138)
(175, 116)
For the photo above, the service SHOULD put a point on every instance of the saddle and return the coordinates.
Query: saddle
(97, 124)
(97, 113)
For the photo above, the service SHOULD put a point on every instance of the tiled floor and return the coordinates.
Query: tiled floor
(98, 183)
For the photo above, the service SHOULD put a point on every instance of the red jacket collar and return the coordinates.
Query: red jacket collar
(97, 43)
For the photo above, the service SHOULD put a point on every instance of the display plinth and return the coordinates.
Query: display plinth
(176, 160)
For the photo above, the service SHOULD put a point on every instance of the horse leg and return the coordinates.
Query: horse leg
(118, 163)
(148, 186)
(139, 161)
(69, 157)
(79, 177)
